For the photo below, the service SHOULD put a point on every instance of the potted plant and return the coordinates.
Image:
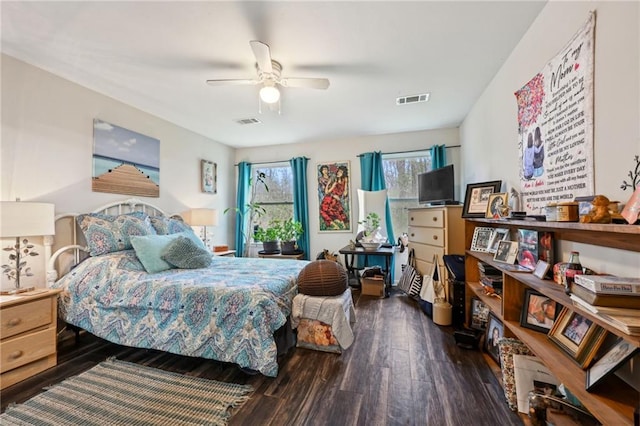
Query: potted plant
(269, 236)
(371, 225)
(290, 231)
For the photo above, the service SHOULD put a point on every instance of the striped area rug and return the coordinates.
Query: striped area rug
(122, 393)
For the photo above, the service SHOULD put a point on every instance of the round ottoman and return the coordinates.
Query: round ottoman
(322, 278)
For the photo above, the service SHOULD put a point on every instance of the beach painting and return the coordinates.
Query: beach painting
(125, 162)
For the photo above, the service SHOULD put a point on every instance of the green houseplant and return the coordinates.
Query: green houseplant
(290, 231)
(269, 236)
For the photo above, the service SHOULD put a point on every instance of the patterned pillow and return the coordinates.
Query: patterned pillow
(508, 348)
(186, 254)
(106, 233)
(166, 225)
(149, 248)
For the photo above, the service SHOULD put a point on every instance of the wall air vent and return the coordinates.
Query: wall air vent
(412, 99)
(245, 121)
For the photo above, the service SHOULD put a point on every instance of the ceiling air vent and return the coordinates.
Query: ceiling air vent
(412, 99)
(245, 121)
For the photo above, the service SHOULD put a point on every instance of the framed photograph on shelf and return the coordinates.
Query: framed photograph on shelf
(495, 332)
(481, 238)
(542, 269)
(538, 311)
(578, 336)
(615, 357)
(534, 245)
(477, 198)
(499, 234)
(506, 252)
(208, 172)
(497, 206)
(479, 314)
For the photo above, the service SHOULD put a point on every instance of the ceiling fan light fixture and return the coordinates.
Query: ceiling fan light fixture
(269, 94)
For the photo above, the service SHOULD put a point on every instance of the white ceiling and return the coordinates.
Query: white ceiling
(156, 56)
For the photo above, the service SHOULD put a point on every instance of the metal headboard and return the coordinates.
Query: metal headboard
(69, 243)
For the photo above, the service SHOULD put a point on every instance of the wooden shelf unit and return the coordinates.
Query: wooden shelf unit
(613, 402)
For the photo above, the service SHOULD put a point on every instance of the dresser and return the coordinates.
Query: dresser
(439, 231)
(27, 335)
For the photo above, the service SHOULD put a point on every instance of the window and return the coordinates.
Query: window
(276, 195)
(400, 175)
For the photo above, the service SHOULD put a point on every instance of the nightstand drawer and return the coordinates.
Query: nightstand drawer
(432, 218)
(23, 350)
(20, 318)
(430, 236)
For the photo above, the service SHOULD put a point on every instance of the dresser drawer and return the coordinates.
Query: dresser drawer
(426, 252)
(433, 218)
(25, 349)
(430, 236)
(20, 318)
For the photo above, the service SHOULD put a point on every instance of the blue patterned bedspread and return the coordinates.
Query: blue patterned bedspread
(227, 312)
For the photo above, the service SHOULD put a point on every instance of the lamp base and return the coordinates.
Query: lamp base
(5, 292)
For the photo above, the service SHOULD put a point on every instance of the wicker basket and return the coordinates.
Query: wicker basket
(322, 278)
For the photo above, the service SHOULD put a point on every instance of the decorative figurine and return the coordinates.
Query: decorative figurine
(600, 211)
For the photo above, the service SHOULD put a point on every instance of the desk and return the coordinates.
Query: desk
(351, 253)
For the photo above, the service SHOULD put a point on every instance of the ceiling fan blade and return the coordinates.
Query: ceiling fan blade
(263, 55)
(232, 82)
(311, 83)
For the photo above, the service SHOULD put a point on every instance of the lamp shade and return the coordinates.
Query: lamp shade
(201, 217)
(24, 219)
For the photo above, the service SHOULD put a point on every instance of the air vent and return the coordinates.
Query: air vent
(246, 121)
(412, 99)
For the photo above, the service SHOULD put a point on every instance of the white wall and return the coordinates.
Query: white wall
(489, 133)
(349, 149)
(47, 147)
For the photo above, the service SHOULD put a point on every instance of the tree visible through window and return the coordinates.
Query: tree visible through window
(400, 174)
(276, 196)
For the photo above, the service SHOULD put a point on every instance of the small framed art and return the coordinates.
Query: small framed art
(577, 335)
(495, 332)
(208, 172)
(477, 198)
(499, 234)
(479, 314)
(481, 238)
(506, 252)
(541, 270)
(497, 206)
(615, 357)
(538, 311)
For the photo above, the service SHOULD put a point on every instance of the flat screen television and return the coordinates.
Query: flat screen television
(437, 186)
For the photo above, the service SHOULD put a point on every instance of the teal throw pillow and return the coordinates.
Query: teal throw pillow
(184, 253)
(149, 248)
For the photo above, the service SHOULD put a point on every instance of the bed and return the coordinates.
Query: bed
(229, 311)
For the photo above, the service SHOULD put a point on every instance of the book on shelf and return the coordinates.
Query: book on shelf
(606, 310)
(609, 284)
(600, 299)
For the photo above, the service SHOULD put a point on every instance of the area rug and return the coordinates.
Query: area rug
(122, 393)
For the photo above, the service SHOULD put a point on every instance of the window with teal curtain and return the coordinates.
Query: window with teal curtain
(300, 201)
(372, 179)
(242, 197)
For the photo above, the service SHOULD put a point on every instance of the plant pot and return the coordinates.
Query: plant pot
(288, 247)
(271, 246)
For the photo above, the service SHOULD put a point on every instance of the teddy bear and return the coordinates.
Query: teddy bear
(306, 331)
(599, 212)
(320, 333)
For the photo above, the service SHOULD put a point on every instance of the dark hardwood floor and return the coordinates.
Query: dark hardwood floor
(401, 370)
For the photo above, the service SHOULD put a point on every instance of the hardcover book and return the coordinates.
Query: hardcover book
(609, 284)
(611, 300)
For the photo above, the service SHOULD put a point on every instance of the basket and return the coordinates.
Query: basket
(322, 278)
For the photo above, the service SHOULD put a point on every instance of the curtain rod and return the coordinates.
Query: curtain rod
(413, 150)
(271, 162)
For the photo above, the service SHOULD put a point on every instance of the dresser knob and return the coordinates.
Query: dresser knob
(15, 355)
(411, 218)
(435, 219)
(413, 235)
(435, 237)
(14, 321)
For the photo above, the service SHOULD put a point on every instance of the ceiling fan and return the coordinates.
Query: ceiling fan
(270, 76)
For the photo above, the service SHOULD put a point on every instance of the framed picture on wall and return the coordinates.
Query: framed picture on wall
(476, 198)
(334, 196)
(208, 173)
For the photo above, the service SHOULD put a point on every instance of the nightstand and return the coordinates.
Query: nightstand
(229, 253)
(27, 334)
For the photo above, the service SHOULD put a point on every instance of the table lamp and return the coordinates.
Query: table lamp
(24, 219)
(201, 217)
